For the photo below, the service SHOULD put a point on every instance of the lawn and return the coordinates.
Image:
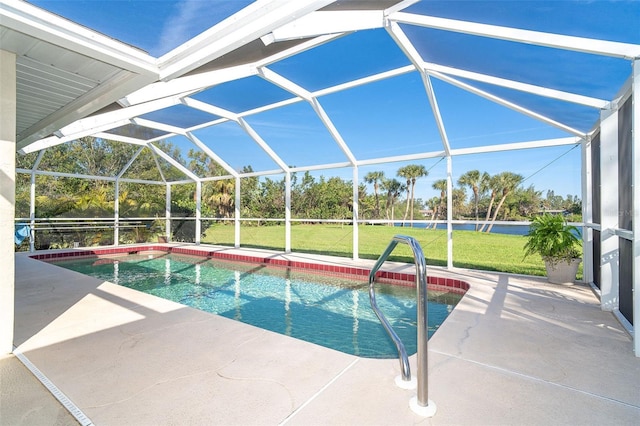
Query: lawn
(491, 252)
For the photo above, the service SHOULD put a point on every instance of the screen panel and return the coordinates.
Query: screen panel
(595, 195)
(625, 208)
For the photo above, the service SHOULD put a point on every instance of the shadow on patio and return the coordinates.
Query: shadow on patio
(515, 350)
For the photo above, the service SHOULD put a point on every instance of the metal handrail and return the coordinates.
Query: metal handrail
(421, 284)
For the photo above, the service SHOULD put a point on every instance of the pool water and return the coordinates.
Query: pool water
(329, 311)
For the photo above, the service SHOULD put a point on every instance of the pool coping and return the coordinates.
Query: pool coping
(281, 261)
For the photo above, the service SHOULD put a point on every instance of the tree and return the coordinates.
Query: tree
(217, 195)
(458, 198)
(507, 181)
(411, 172)
(432, 204)
(494, 185)
(478, 183)
(249, 194)
(526, 202)
(272, 197)
(375, 178)
(440, 185)
(394, 188)
(305, 197)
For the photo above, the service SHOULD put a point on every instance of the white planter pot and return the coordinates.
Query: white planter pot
(562, 272)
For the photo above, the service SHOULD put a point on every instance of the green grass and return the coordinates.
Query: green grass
(490, 252)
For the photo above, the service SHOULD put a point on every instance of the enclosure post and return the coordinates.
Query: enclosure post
(635, 143)
(167, 212)
(355, 214)
(587, 214)
(449, 213)
(609, 276)
(32, 201)
(32, 213)
(198, 211)
(8, 114)
(236, 237)
(116, 214)
(287, 212)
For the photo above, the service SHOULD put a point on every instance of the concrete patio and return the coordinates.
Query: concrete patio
(515, 350)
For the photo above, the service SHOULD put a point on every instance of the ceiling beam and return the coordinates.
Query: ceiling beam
(301, 47)
(303, 93)
(251, 23)
(55, 140)
(175, 130)
(155, 159)
(209, 152)
(522, 87)
(507, 104)
(88, 125)
(284, 83)
(129, 163)
(545, 143)
(169, 159)
(335, 134)
(401, 5)
(414, 56)
(326, 22)
(265, 146)
(187, 85)
(210, 109)
(364, 80)
(120, 138)
(557, 41)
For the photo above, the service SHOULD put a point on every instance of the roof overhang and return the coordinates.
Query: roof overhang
(65, 71)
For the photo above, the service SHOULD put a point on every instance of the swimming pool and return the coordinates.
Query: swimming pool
(327, 310)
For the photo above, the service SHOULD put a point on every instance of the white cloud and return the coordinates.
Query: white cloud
(178, 28)
(192, 17)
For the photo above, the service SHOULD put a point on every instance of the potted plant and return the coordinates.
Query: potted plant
(558, 244)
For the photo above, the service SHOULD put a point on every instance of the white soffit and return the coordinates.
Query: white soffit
(64, 70)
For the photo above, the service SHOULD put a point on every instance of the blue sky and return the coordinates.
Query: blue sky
(393, 117)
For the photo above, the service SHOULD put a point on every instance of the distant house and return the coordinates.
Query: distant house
(552, 212)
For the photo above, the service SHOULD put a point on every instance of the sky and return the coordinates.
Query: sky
(393, 117)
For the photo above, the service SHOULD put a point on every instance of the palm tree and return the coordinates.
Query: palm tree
(394, 188)
(374, 178)
(432, 203)
(440, 185)
(458, 198)
(404, 172)
(220, 197)
(411, 172)
(485, 183)
(494, 185)
(478, 183)
(508, 182)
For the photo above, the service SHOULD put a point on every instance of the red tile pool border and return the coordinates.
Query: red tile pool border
(393, 277)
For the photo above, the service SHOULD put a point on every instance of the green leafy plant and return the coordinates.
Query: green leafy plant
(553, 239)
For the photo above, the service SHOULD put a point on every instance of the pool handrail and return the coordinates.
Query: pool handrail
(422, 314)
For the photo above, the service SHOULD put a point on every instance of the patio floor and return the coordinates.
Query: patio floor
(516, 350)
